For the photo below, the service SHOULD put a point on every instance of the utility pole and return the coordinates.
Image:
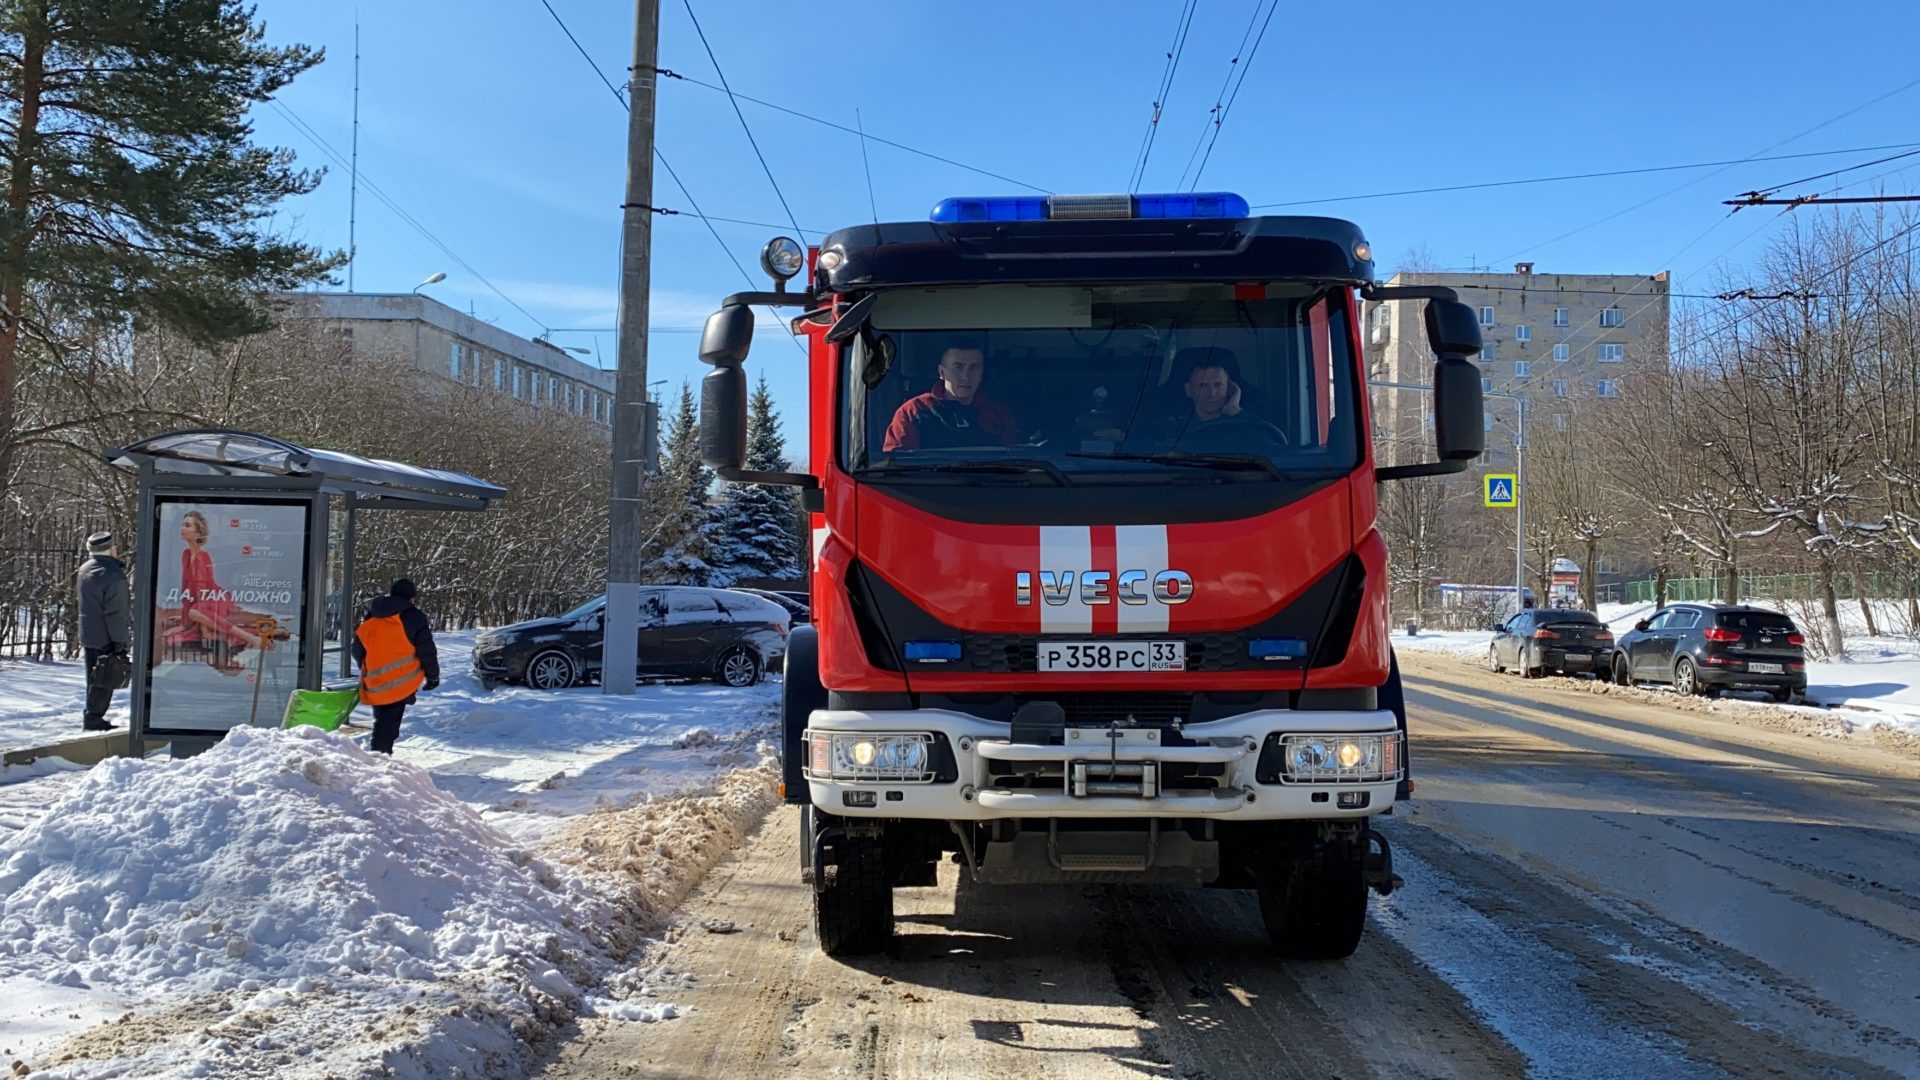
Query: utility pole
(621, 645)
(1519, 505)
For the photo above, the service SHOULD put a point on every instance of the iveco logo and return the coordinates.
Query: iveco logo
(1101, 587)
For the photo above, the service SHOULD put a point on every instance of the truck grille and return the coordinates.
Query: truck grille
(1102, 709)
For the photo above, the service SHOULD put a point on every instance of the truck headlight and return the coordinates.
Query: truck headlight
(900, 757)
(1340, 758)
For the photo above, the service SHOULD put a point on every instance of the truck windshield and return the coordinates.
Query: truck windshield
(1055, 384)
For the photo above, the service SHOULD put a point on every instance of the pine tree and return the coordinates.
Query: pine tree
(682, 548)
(129, 187)
(759, 520)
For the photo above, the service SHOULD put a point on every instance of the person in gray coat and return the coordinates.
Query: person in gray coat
(106, 624)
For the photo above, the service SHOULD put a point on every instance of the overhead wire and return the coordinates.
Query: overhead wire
(408, 219)
(744, 126)
(1213, 114)
(1904, 87)
(1168, 74)
(685, 193)
(1775, 189)
(1481, 185)
(869, 136)
(1235, 96)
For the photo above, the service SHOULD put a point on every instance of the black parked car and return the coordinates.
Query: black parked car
(728, 636)
(797, 607)
(1707, 648)
(1540, 640)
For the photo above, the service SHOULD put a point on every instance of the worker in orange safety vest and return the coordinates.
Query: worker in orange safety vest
(394, 650)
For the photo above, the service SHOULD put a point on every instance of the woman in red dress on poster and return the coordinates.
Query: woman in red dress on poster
(203, 603)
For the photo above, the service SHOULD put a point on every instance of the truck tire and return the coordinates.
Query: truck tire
(1316, 908)
(800, 694)
(853, 905)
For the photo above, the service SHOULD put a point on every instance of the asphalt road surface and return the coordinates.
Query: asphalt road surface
(1597, 886)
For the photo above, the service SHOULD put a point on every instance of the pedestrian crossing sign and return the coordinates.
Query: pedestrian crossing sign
(1503, 489)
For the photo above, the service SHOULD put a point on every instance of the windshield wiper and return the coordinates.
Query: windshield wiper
(999, 465)
(1223, 461)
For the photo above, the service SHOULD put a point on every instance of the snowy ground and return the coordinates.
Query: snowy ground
(288, 903)
(1877, 683)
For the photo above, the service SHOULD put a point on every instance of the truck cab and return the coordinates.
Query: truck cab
(1097, 590)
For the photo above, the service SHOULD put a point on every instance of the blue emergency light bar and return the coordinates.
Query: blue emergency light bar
(1205, 204)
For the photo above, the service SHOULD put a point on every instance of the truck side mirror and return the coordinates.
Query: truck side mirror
(1452, 329)
(1459, 421)
(723, 414)
(727, 336)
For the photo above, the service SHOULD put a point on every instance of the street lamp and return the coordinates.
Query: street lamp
(432, 279)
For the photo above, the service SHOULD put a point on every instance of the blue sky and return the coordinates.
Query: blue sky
(480, 121)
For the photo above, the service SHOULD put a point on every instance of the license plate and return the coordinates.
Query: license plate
(1576, 659)
(1766, 669)
(1113, 656)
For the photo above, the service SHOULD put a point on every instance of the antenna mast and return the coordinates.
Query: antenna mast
(353, 169)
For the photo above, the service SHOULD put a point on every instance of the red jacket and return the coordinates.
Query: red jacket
(936, 420)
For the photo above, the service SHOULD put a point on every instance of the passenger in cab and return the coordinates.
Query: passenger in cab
(956, 412)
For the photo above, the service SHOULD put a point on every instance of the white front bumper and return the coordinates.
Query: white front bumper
(1234, 742)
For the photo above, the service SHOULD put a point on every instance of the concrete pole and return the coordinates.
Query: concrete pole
(621, 645)
(1519, 504)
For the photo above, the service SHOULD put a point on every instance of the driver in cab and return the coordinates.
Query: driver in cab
(955, 413)
(1213, 394)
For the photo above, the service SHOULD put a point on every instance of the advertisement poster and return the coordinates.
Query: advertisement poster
(229, 579)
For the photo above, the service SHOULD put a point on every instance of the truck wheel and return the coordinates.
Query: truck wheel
(1316, 908)
(853, 905)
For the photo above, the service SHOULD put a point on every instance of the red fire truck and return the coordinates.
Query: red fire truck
(1097, 590)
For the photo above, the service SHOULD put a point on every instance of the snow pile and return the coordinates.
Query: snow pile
(293, 873)
(651, 856)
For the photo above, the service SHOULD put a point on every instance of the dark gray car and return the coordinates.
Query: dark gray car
(1707, 648)
(686, 632)
(1541, 640)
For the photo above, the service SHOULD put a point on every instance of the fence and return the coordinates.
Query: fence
(37, 609)
(1770, 586)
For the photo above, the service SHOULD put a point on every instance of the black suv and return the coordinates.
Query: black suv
(1707, 648)
(728, 636)
(1540, 640)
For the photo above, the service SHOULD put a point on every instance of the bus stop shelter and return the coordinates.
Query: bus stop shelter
(231, 599)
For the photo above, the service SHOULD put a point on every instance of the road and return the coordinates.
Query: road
(1597, 886)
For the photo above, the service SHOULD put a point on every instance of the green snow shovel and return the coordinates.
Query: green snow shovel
(324, 709)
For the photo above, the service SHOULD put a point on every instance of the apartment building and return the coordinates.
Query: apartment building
(1561, 342)
(443, 341)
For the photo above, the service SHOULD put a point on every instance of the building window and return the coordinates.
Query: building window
(1607, 388)
(1486, 386)
(1612, 317)
(1559, 316)
(1486, 418)
(1610, 354)
(1559, 421)
(1562, 352)
(1486, 316)
(1522, 369)
(519, 381)
(499, 373)
(1559, 388)
(1523, 332)
(1486, 350)
(453, 361)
